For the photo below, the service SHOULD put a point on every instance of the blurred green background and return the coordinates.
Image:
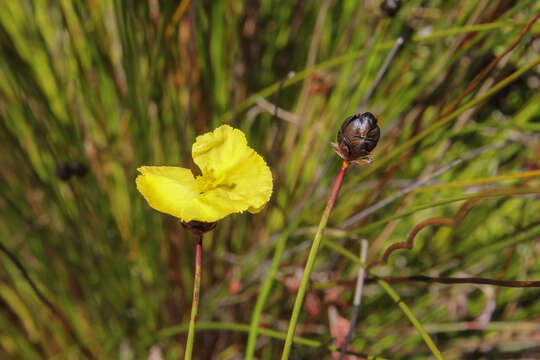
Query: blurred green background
(110, 85)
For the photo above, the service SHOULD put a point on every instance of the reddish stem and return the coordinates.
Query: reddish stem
(311, 261)
(195, 303)
(491, 65)
(198, 267)
(337, 186)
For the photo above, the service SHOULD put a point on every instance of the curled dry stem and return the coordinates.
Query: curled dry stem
(409, 243)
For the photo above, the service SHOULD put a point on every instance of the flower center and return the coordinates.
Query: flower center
(208, 182)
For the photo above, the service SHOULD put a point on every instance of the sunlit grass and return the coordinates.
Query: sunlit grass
(117, 84)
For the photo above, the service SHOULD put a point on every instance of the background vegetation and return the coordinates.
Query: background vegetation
(113, 85)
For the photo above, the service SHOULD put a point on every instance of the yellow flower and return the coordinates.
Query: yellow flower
(234, 179)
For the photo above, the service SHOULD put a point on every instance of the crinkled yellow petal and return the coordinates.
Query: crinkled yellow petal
(171, 190)
(217, 151)
(234, 179)
(244, 181)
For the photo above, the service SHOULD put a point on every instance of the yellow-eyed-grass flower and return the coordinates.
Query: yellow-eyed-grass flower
(234, 179)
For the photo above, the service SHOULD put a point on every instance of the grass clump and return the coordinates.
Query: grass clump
(112, 85)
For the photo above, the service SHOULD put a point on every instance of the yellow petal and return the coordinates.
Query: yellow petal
(252, 181)
(169, 189)
(242, 180)
(174, 191)
(217, 151)
(234, 179)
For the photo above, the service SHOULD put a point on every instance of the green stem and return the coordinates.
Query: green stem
(310, 262)
(238, 327)
(427, 339)
(265, 291)
(195, 303)
(404, 308)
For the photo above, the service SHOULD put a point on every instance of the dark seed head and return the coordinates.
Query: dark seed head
(199, 227)
(357, 137)
(79, 169)
(63, 171)
(391, 7)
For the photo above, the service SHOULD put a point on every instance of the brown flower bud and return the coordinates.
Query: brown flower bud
(199, 227)
(357, 137)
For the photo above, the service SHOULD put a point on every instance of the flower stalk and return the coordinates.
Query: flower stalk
(195, 302)
(311, 261)
(234, 179)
